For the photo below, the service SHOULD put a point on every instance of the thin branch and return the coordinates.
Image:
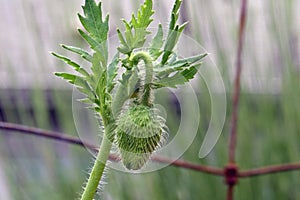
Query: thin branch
(230, 192)
(237, 85)
(269, 170)
(73, 140)
(189, 165)
(178, 163)
(45, 133)
(235, 103)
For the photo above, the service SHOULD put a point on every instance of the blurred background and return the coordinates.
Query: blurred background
(269, 129)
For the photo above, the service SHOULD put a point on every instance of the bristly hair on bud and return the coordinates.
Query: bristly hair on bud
(140, 131)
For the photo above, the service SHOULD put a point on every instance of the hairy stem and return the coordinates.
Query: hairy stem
(97, 170)
(145, 92)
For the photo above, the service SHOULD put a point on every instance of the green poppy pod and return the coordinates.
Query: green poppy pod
(140, 131)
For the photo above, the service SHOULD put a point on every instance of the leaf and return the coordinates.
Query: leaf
(175, 14)
(73, 64)
(125, 90)
(79, 51)
(100, 48)
(112, 73)
(93, 21)
(124, 48)
(174, 32)
(179, 78)
(135, 32)
(190, 60)
(143, 16)
(169, 45)
(177, 65)
(69, 77)
(157, 43)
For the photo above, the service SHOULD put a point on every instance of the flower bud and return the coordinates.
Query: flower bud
(140, 131)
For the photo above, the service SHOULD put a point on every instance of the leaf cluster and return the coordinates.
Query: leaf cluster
(98, 82)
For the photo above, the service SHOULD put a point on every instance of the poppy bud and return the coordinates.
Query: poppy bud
(140, 131)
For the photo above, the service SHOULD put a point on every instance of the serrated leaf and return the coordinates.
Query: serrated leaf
(80, 84)
(179, 78)
(79, 51)
(157, 43)
(175, 65)
(93, 21)
(124, 48)
(101, 48)
(97, 67)
(174, 32)
(136, 30)
(125, 90)
(69, 77)
(175, 14)
(169, 45)
(144, 14)
(73, 64)
(132, 82)
(112, 73)
(190, 60)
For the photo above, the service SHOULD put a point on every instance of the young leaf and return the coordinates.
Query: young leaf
(73, 64)
(179, 78)
(143, 18)
(101, 48)
(178, 65)
(174, 32)
(79, 51)
(125, 90)
(123, 48)
(112, 73)
(136, 30)
(175, 14)
(93, 21)
(69, 77)
(157, 43)
(169, 45)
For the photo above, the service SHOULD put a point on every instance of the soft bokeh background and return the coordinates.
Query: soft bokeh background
(269, 129)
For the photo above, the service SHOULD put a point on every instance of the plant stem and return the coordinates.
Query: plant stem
(98, 169)
(145, 91)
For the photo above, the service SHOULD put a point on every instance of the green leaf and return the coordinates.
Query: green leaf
(169, 45)
(73, 64)
(157, 43)
(124, 48)
(144, 14)
(179, 78)
(101, 48)
(97, 70)
(136, 30)
(79, 51)
(175, 14)
(93, 22)
(174, 32)
(80, 83)
(69, 77)
(190, 60)
(112, 72)
(125, 90)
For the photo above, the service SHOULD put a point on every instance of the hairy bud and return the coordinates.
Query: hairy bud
(140, 131)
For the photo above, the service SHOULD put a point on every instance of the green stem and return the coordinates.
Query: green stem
(145, 92)
(97, 171)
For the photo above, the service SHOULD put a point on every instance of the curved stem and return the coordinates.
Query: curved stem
(145, 92)
(97, 170)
